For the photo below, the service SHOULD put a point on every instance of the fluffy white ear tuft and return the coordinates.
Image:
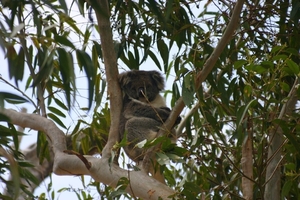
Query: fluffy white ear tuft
(158, 102)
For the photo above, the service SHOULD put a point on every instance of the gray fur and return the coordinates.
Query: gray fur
(144, 109)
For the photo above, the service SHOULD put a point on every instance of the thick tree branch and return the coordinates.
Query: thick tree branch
(36, 122)
(273, 173)
(110, 61)
(101, 170)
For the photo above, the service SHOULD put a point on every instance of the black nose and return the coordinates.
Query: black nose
(141, 92)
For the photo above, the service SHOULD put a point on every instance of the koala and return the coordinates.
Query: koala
(144, 109)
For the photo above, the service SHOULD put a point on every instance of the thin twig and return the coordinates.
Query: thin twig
(11, 85)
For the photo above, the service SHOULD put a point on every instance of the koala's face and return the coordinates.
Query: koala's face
(141, 85)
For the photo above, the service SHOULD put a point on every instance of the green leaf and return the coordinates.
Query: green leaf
(14, 136)
(56, 119)
(132, 61)
(64, 41)
(67, 72)
(43, 74)
(285, 87)
(293, 66)
(11, 98)
(239, 63)
(241, 113)
(56, 111)
(279, 57)
(25, 164)
(29, 176)
(42, 142)
(12, 60)
(164, 52)
(169, 9)
(162, 158)
(60, 104)
(86, 38)
(187, 90)
(75, 130)
(64, 18)
(84, 60)
(290, 166)
(98, 48)
(64, 6)
(277, 49)
(95, 57)
(286, 131)
(5, 132)
(256, 68)
(175, 158)
(247, 90)
(99, 95)
(20, 66)
(267, 64)
(292, 51)
(155, 9)
(155, 60)
(286, 188)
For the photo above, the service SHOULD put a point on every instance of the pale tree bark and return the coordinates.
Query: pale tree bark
(99, 169)
(247, 167)
(101, 8)
(276, 141)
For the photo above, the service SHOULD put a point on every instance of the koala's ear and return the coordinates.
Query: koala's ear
(159, 80)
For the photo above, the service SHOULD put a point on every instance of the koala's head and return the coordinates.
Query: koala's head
(141, 85)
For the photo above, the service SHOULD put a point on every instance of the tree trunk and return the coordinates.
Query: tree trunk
(247, 167)
(273, 172)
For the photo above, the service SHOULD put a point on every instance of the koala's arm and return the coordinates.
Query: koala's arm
(137, 109)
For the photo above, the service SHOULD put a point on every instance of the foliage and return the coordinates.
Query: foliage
(242, 97)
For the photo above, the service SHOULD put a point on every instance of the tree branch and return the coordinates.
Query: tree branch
(101, 170)
(19, 90)
(211, 61)
(200, 77)
(247, 166)
(110, 61)
(273, 174)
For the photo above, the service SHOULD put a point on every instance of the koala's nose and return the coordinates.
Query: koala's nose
(141, 92)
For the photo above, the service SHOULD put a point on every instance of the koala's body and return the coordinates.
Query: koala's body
(144, 109)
